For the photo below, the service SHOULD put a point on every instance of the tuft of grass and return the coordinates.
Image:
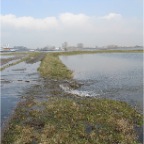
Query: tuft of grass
(64, 120)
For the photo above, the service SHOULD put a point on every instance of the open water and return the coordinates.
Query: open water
(117, 76)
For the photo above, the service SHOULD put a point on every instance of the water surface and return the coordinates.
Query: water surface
(6, 56)
(117, 76)
(14, 81)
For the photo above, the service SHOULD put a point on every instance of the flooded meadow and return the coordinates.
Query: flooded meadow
(14, 81)
(117, 76)
(59, 97)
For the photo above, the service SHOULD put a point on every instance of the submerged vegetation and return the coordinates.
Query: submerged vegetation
(71, 120)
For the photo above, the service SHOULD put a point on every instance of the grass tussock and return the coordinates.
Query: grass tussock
(81, 121)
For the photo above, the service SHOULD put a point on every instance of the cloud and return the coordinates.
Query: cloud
(29, 22)
(65, 19)
(112, 28)
(112, 16)
(70, 19)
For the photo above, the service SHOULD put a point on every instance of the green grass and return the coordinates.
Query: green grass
(73, 121)
(52, 67)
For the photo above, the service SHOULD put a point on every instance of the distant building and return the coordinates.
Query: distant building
(80, 45)
(137, 46)
(65, 46)
(112, 46)
(57, 48)
(6, 48)
(20, 48)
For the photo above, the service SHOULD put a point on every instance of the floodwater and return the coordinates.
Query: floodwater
(6, 56)
(117, 76)
(10, 62)
(6, 60)
(14, 81)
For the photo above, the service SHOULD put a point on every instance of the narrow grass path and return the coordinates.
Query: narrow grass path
(69, 121)
(52, 67)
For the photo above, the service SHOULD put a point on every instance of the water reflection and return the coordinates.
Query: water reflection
(116, 76)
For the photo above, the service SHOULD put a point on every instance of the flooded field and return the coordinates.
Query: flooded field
(114, 76)
(6, 60)
(14, 81)
(6, 56)
(44, 99)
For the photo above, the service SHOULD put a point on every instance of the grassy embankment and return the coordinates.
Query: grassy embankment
(71, 121)
(52, 67)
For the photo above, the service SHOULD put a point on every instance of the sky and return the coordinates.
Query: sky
(39, 23)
